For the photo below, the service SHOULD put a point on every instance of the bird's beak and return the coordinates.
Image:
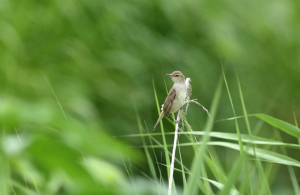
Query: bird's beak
(169, 75)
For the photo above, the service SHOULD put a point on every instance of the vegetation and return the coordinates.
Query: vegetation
(82, 81)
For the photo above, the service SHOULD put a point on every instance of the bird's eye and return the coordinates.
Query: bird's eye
(176, 75)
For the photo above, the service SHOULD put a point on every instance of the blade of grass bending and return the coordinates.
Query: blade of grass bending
(149, 159)
(220, 186)
(294, 146)
(227, 136)
(257, 161)
(261, 153)
(156, 159)
(198, 159)
(238, 133)
(148, 156)
(237, 148)
(282, 125)
(163, 132)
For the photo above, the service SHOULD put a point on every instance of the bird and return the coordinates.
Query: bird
(176, 97)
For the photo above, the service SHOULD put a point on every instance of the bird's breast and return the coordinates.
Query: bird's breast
(180, 97)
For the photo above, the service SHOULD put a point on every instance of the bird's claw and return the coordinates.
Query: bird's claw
(177, 121)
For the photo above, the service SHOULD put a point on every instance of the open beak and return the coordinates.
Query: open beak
(169, 75)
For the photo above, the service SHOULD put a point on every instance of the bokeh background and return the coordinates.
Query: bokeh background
(76, 73)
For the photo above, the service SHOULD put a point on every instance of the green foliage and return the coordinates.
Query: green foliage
(77, 74)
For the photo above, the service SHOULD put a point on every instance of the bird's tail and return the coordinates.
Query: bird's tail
(162, 114)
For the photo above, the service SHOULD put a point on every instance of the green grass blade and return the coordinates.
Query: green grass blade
(23, 189)
(227, 136)
(296, 122)
(272, 143)
(238, 133)
(220, 186)
(156, 159)
(262, 176)
(206, 184)
(264, 154)
(282, 125)
(198, 159)
(290, 169)
(149, 159)
(215, 169)
(163, 132)
(129, 176)
(294, 180)
(212, 165)
(243, 106)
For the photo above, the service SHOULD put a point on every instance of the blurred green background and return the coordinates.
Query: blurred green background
(76, 73)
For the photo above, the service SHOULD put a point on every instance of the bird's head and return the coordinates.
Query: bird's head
(177, 77)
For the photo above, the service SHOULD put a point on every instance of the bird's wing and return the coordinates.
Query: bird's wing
(169, 101)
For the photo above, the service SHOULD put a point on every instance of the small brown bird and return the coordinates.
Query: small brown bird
(176, 96)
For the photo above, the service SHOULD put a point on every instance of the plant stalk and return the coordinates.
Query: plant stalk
(173, 153)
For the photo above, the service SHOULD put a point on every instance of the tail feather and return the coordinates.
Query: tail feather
(162, 114)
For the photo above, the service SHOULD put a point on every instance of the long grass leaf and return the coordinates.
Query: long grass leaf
(284, 126)
(238, 133)
(198, 159)
(290, 169)
(162, 131)
(262, 176)
(261, 153)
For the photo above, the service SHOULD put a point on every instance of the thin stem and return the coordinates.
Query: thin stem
(179, 115)
(194, 101)
(173, 153)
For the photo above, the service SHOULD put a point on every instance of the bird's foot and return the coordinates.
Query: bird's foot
(176, 121)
